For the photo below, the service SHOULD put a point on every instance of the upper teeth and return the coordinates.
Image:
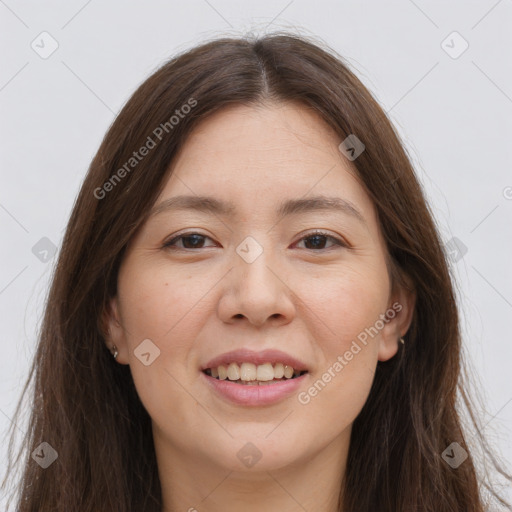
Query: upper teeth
(249, 371)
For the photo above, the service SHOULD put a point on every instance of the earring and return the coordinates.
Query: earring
(402, 341)
(115, 352)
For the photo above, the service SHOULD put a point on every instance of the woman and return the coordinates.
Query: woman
(251, 308)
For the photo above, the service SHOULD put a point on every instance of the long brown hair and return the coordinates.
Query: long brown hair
(85, 405)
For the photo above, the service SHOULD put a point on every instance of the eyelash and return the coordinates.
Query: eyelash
(337, 241)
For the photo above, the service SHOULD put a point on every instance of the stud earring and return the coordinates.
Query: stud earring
(115, 352)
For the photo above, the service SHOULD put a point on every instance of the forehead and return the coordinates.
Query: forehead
(256, 156)
(280, 133)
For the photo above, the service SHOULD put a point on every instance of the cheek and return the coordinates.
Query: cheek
(346, 306)
(157, 302)
(164, 307)
(344, 303)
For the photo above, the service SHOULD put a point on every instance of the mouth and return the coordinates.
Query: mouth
(250, 374)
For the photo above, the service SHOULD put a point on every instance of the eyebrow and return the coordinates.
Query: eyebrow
(288, 207)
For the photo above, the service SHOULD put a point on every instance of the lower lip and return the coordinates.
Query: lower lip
(243, 394)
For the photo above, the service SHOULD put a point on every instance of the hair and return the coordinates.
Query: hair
(85, 405)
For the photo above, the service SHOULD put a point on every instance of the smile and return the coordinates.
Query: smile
(254, 393)
(250, 374)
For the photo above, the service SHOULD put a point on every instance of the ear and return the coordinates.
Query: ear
(113, 330)
(398, 318)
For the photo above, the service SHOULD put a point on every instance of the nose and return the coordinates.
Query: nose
(256, 293)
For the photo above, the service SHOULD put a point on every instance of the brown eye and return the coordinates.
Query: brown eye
(318, 240)
(189, 241)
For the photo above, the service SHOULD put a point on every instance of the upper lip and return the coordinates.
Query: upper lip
(249, 356)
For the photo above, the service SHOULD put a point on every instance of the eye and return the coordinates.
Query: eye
(189, 241)
(318, 239)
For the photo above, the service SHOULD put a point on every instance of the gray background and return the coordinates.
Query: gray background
(453, 110)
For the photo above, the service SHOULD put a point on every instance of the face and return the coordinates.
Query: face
(310, 282)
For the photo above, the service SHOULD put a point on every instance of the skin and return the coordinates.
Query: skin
(200, 300)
